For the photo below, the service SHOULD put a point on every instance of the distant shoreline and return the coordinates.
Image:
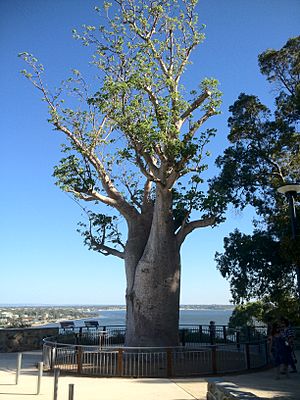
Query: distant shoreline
(112, 307)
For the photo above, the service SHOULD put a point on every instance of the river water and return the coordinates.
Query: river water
(194, 317)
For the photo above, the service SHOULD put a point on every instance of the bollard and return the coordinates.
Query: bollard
(40, 374)
(71, 391)
(56, 376)
(19, 365)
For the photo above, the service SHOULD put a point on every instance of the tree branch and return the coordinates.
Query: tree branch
(199, 123)
(147, 38)
(93, 195)
(154, 102)
(106, 250)
(184, 61)
(120, 204)
(196, 104)
(102, 248)
(147, 203)
(188, 228)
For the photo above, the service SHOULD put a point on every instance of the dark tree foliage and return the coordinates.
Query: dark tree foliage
(264, 155)
(264, 151)
(255, 266)
(264, 312)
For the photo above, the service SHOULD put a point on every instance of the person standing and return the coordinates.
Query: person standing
(212, 332)
(277, 350)
(289, 336)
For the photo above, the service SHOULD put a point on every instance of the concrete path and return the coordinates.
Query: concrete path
(262, 384)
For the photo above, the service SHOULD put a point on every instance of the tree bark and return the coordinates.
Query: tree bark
(153, 280)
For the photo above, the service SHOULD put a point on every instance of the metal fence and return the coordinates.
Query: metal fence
(154, 362)
(189, 335)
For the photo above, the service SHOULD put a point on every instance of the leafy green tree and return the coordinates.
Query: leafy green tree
(265, 312)
(247, 314)
(256, 267)
(137, 146)
(264, 154)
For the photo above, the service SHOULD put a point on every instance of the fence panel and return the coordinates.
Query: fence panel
(200, 353)
(230, 359)
(144, 363)
(192, 362)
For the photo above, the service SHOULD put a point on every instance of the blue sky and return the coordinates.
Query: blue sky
(42, 256)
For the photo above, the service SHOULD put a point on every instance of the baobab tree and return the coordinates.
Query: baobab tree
(137, 146)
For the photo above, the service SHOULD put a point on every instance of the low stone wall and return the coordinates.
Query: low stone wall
(24, 339)
(217, 390)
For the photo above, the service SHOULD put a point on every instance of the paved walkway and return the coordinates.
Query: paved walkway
(262, 384)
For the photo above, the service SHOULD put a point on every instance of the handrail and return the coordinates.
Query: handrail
(115, 348)
(155, 361)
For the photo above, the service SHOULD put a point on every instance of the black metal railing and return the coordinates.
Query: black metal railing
(202, 350)
(154, 362)
(189, 335)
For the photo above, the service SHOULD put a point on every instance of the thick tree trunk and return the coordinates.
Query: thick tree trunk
(154, 281)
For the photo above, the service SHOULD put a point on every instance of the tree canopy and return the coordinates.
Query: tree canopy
(264, 151)
(264, 154)
(140, 127)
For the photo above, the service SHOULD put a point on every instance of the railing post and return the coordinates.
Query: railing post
(169, 363)
(56, 376)
(267, 352)
(247, 350)
(40, 374)
(19, 366)
(248, 334)
(183, 331)
(238, 340)
(200, 333)
(71, 391)
(120, 362)
(224, 334)
(79, 359)
(53, 357)
(214, 359)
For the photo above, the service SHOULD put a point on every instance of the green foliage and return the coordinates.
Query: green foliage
(265, 312)
(248, 314)
(282, 67)
(263, 155)
(100, 229)
(265, 149)
(256, 266)
(139, 125)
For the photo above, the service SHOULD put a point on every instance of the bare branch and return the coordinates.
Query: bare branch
(106, 250)
(196, 125)
(147, 203)
(121, 205)
(196, 104)
(185, 61)
(98, 133)
(188, 228)
(93, 195)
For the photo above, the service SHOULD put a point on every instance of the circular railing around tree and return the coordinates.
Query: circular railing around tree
(101, 352)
